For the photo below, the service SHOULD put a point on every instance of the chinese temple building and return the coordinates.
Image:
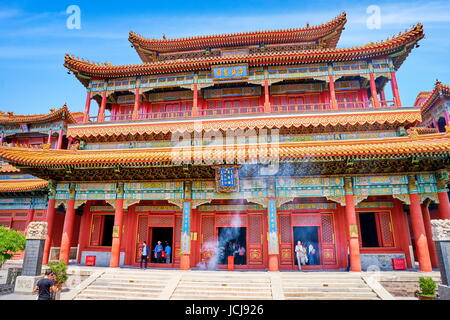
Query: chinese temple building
(248, 143)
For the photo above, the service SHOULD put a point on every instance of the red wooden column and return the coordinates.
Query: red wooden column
(395, 92)
(418, 227)
(444, 205)
(195, 101)
(49, 139)
(447, 117)
(383, 98)
(50, 222)
(101, 111)
(69, 220)
(350, 213)
(114, 261)
(431, 246)
(137, 99)
(333, 101)
(60, 139)
(87, 107)
(267, 108)
(373, 90)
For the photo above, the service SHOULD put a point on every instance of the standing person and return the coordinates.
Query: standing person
(348, 255)
(45, 287)
(158, 252)
(144, 254)
(168, 251)
(311, 254)
(300, 253)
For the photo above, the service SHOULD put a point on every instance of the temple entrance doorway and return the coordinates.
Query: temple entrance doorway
(309, 237)
(232, 241)
(163, 234)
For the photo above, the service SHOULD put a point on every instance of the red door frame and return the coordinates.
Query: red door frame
(244, 214)
(319, 237)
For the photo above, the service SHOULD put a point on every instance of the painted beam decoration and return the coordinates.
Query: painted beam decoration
(186, 229)
(233, 72)
(273, 237)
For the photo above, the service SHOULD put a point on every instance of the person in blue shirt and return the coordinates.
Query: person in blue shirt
(168, 251)
(158, 252)
(144, 254)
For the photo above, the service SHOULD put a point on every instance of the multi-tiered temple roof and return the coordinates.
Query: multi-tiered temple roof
(397, 48)
(322, 36)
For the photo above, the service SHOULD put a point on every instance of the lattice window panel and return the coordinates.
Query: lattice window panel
(4, 223)
(285, 229)
(177, 244)
(235, 221)
(208, 229)
(18, 225)
(305, 220)
(21, 214)
(386, 233)
(141, 235)
(327, 229)
(95, 231)
(142, 229)
(161, 221)
(254, 229)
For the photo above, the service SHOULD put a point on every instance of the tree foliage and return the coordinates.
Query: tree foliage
(59, 268)
(11, 242)
(427, 286)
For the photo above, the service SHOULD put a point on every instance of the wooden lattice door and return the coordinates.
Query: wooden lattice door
(328, 240)
(177, 237)
(255, 246)
(385, 226)
(142, 234)
(286, 243)
(208, 244)
(97, 222)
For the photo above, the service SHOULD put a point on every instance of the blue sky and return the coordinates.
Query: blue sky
(34, 38)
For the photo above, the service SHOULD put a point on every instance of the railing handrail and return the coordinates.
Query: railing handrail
(274, 108)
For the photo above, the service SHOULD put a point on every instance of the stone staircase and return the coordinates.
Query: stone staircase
(219, 285)
(122, 284)
(135, 284)
(326, 286)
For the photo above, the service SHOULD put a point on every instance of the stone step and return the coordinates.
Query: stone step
(125, 288)
(321, 281)
(219, 293)
(124, 293)
(227, 280)
(129, 285)
(321, 284)
(136, 280)
(325, 289)
(332, 298)
(107, 297)
(223, 285)
(142, 276)
(208, 290)
(330, 294)
(222, 297)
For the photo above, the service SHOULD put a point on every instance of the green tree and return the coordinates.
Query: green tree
(11, 242)
(59, 268)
